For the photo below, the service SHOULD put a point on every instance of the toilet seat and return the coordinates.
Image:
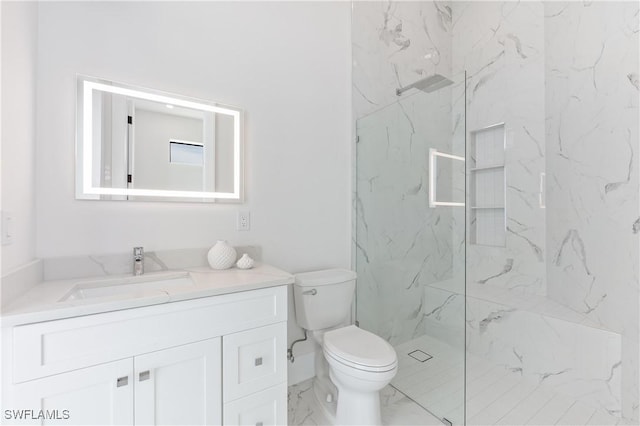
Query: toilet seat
(360, 349)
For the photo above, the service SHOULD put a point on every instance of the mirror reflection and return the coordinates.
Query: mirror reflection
(139, 144)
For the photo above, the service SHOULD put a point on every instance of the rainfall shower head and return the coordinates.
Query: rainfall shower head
(427, 84)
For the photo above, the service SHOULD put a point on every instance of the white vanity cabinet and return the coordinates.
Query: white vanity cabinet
(213, 360)
(252, 364)
(90, 395)
(178, 386)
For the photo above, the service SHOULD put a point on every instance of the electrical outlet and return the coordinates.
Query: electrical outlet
(7, 228)
(244, 222)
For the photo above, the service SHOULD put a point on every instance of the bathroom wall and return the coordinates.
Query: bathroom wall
(286, 64)
(592, 143)
(19, 57)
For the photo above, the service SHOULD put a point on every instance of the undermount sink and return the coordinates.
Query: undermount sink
(132, 286)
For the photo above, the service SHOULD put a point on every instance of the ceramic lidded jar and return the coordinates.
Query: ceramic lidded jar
(221, 255)
(245, 262)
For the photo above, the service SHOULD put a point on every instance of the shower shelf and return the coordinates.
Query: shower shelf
(487, 186)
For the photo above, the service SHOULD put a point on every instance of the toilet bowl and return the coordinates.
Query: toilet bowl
(361, 364)
(355, 362)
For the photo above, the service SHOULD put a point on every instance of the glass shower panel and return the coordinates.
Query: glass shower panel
(410, 242)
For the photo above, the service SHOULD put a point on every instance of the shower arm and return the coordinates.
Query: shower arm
(401, 90)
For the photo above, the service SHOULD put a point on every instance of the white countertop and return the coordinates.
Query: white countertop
(42, 303)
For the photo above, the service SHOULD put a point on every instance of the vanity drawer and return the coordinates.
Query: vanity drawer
(254, 360)
(268, 407)
(53, 347)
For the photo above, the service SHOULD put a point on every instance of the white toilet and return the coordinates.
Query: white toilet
(358, 363)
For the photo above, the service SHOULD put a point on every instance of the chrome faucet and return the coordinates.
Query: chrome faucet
(138, 260)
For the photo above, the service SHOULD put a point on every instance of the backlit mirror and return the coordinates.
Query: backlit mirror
(141, 144)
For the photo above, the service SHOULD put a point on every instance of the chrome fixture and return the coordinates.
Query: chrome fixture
(290, 356)
(138, 260)
(427, 84)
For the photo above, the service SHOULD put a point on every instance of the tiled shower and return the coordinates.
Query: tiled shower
(522, 283)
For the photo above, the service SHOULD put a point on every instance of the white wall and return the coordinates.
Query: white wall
(19, 49)
(286, 64)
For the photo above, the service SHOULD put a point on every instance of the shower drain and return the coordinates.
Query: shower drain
(420, 355)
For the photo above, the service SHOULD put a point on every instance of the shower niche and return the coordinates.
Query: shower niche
(487, 183)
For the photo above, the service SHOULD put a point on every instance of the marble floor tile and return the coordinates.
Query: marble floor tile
(396, 408)
(302, 408)
(578, 414)
(499, 408)
(494, 395)
(552, 411)
(527, 408)
(602, 418)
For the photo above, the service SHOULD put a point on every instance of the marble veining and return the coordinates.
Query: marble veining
(396, 44)
(61, 268)
(562, 77)
(401, 244)
(507, 268)
(495, 394)
(593, 180)
(501, 47)
(396, 408)
(579, 361)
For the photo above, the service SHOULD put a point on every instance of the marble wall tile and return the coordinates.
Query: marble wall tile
(576, 360)
(443, 315)
(592, 138)
(501, 47)
(563, 77)
(402, 244)
(396, 43)
(582, 362)
(593, 180)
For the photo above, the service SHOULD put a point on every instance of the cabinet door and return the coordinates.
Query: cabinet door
(100, 395)
(264, 408)
(180, 385)
(254, 360)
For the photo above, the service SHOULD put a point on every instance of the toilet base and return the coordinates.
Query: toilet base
(321, 389)
(356, 408)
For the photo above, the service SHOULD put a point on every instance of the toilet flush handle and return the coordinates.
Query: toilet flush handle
(312, 292)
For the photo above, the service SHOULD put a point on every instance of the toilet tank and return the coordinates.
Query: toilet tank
(323, 298)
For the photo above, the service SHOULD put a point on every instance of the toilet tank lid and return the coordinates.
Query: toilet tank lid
(324, 277)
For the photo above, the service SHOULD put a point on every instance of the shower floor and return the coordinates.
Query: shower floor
(495, 396)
